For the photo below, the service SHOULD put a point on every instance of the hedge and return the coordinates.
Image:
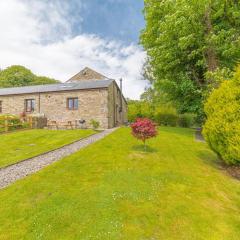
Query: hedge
(164, 115)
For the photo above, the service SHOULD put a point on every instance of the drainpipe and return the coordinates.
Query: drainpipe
(39, 103)
(121, 105)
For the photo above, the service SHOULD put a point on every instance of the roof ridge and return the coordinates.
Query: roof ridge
(84, 73)
(56, 87)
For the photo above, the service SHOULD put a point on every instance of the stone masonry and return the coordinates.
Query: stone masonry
(103, 105)
(92, 105)
(87, 74)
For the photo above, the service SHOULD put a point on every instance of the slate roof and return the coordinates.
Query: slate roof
(88, 84)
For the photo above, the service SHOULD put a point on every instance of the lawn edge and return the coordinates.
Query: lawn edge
(38, 155)
(16, 131)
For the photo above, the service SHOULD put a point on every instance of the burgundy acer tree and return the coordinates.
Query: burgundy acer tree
(143, 129)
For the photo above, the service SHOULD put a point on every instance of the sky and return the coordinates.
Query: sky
(58, 38)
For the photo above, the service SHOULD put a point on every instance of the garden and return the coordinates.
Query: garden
(18, 146)
(151, 179)
(193, 70)
(173, 190)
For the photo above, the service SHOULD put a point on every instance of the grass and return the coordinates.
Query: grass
(18, 146)
(114, 190)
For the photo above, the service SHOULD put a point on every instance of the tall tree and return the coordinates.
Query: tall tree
(187, 41)
(16, 76)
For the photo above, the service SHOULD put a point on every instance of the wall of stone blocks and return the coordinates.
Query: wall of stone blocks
(93, 104)
(116, 118)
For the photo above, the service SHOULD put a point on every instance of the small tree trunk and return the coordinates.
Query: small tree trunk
(210, 54)
(145, 146)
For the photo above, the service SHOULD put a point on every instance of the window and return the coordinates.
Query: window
(72, 103)
(0, 106)
(29, 105)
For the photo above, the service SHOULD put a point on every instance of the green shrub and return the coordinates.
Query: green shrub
(25, 125)
(186, 120)
(166, 119)
(166, 116)
(222, 128)
(95, 124)
(14, 123)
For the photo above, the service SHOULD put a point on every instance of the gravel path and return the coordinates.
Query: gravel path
(22, 169)
(198, 136)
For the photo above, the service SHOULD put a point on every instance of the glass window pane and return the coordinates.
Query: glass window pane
(75, 103)
(70, 103)
(33, 105)
(29, 105)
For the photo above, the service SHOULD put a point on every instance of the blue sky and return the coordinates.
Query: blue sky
(116, 19)
(57, 38)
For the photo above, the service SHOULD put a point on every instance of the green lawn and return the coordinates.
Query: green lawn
(18, 146)
(114, 190)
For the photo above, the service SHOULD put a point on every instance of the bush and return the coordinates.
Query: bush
(222, 128)
(95, 124)
(166, 119)
(14, 122)
(186, 120)
(166, 116)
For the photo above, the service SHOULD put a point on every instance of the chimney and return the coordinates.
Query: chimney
(121, 85)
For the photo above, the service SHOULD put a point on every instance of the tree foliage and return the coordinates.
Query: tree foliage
(186, 41)
(222, 128)
(143, 129)
(150, 104)
(16, 76)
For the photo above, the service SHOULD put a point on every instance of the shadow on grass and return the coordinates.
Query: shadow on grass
(140, 148)
(210, 159)
(217, 163)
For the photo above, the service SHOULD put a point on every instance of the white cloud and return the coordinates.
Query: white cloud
(38, 35)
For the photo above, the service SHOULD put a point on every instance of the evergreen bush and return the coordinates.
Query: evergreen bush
(222, 128)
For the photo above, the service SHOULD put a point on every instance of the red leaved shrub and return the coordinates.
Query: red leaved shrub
(143, 129)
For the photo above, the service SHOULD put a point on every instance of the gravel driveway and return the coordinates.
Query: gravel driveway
(22, 169)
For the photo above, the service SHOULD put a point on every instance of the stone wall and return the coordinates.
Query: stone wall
(87, 74)
(116, 118)
(93, 104)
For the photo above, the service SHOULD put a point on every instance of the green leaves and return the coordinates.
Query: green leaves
(16, 76)
(222, 128)
(185, 40)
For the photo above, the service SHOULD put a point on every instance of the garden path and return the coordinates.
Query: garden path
(198, 136)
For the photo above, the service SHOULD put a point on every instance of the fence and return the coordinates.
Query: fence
(11, 123)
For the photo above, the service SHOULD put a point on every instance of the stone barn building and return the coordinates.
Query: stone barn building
(87, 95)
